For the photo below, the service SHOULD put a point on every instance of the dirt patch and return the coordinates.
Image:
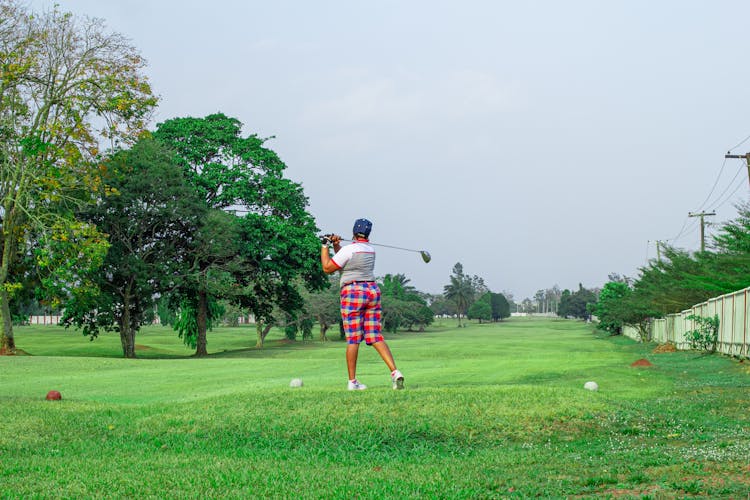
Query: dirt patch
(641, 362)
(141, 347)
(665, 348)
(4, 351)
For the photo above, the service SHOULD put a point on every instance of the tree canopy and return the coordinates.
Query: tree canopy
(576, 304)
(65, 84)
(275, 235)
(460, 290)
(150, 214)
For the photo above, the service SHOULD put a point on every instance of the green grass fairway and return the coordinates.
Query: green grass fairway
(490, 411)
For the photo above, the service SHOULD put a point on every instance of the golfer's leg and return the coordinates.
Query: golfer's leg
(385, 353)
(352, 318)
(352, 350)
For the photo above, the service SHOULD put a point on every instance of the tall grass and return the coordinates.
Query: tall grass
(490, 411)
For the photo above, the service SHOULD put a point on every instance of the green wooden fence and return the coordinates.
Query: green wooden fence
(733, 310)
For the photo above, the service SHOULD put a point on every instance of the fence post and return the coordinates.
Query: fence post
(746, 318)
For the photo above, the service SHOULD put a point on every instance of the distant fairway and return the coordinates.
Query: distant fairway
(491, 410)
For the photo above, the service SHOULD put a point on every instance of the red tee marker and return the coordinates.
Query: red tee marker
(54, 396)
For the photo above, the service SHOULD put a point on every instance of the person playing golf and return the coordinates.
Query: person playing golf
(360, 299)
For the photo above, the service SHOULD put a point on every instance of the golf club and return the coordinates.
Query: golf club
(423, 253)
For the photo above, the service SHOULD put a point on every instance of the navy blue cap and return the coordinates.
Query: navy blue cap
(362, 226)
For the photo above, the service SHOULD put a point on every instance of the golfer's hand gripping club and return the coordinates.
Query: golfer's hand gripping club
(330, 238)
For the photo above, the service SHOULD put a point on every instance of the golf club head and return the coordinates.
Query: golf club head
(425, 256)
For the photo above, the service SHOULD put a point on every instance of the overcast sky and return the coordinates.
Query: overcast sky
(537, 143)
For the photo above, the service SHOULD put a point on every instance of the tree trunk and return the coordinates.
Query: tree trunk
(7, 342)
(202, 324)
(262, 332)
(127, 336)
(323, 330)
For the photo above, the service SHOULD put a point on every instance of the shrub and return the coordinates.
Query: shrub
(706, 335)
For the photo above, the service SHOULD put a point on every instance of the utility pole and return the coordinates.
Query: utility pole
(658, 251)
(703, 226)
(747, 159)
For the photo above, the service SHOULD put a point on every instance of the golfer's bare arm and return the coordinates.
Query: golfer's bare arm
(325, 256)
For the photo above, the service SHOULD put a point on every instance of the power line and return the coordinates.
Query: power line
(716, 182)
(741, 143)
(739, 185)
(687, 227)
(679, 233)
(731, 183)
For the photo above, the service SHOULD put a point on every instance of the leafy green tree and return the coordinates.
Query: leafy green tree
(499, 306)
(609, 307)
(403, 306)
(577, 304)
(681, 279)
(323, 306)
(64, 83)
(441, 306)
(460, 290)
(481, 309)
(208, 275)
(396, 285)
(276, 240)
(528, 306)
(149, 212)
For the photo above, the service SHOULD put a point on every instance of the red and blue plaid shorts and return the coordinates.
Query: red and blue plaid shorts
(360, 312)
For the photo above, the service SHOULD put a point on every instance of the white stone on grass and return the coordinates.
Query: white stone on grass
(591, 386)
(296, 382)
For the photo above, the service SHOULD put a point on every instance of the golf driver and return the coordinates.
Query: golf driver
(423, 253)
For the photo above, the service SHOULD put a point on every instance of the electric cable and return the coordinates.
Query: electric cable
(716, 182)
(743, 141)
(731, 195)
(686, 229)
(731, 184)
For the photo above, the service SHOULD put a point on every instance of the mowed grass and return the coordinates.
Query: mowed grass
(490, 411)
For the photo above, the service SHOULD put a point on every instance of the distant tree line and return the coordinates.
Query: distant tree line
(468, 297)
(679, 279)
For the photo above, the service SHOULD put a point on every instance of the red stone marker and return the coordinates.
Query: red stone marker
(54, 396)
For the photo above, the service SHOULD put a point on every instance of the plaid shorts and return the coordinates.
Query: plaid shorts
(360, 312)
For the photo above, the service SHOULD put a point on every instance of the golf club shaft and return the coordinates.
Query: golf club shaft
(387, 246)
(426, 257)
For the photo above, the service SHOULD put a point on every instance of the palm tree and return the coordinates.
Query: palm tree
(460, 291)
(396, 285)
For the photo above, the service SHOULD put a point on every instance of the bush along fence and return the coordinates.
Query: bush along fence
(697, 328)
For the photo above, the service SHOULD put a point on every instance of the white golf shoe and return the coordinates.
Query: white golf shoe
(398, 380)
(354, 385)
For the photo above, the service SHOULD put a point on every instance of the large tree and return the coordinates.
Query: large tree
(65, 84)
(323, 306)
(460, 290)
(500, 306)
(577, 304)
(150, 214)
(275, 240)
(481, 309)
(403, 305)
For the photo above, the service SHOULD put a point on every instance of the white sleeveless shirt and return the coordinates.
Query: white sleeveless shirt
(356, 261)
